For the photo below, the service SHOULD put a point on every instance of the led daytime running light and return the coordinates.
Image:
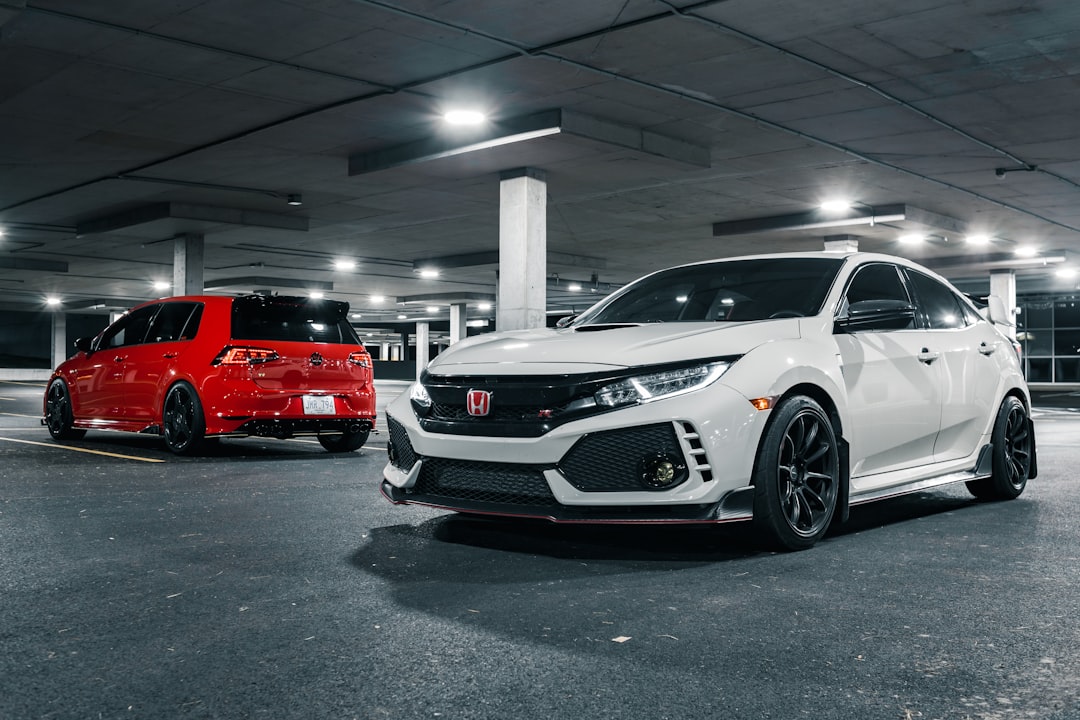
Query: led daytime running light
(654, 386)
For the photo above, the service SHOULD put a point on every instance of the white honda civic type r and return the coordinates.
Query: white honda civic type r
(780, 389)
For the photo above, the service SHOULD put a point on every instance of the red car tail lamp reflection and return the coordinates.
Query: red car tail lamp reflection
(244, 356)
(360, 358)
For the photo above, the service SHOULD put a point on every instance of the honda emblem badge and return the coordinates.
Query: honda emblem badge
(478, 402)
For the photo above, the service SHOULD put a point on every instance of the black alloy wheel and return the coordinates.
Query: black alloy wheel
(182, 420)
(796, 475)
(1012, 454)
(58, 414)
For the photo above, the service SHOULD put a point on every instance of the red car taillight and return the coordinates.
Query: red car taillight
(360, 358)
(244, 356)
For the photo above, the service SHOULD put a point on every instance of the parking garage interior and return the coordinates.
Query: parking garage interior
(314, 147)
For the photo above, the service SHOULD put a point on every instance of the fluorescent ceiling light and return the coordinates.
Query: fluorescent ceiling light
(162, 285)
(315, 295)
(344, 265)
(835, 205)
(402, 317)
(484, 306)
(429, 273)
(978, 239)
(52, 301)
(911, 238)
(1066, 272)
(432, 309)
(378, 298)
(464, 117)
(1027, 251)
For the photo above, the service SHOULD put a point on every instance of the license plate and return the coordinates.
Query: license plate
(318, 404)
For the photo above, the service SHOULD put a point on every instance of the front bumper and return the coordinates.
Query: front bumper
(593, 470)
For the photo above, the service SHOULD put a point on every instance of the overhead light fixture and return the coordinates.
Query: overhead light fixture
(295, 199)
(432, 309)
(464, 117)
(344, 265)
(1066, 273)
(403, 317)
(162, 285)
(52, 301)
(837, 205)
(378, 298)
(1027, 251)
(429, 273)
(316, 295)
(574, 287)
(978, 239)
(911, 238)
(483, 306)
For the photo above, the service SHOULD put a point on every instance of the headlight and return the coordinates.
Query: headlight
(654, 386)
(421, 401)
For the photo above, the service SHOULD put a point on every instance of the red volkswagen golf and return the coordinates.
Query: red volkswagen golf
(189, 368)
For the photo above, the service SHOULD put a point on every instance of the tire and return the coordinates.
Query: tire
(796, 476)
(346, 441)
(58, 416)
(1012, 454)
(182, 423)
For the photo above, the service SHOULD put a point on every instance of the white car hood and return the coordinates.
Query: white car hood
(570, 350)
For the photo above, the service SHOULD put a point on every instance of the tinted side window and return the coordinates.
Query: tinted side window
(130, 329)
(877, 282)
(171, 323)
(940, 305)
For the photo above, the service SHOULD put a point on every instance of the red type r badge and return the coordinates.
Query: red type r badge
(478, 402)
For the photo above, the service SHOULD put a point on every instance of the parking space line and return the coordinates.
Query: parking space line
(5, 397)
(83, 450)
(32, 417)
(22, 382)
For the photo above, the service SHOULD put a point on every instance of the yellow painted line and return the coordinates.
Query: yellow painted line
(32, 417)
(83, 450)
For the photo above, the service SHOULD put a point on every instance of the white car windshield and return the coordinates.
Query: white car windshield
(722, 291)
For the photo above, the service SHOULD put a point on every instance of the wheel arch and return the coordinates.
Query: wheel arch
(1025, 400)
(822, 397)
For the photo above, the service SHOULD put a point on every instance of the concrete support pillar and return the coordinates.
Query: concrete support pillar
(60, 349)
(457, 322)
(384, 351)
(188, 264)
(1003, 284)
(423, 337)
(522, 294)
(842, 243)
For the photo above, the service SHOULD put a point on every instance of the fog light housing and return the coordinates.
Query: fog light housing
(661, 471)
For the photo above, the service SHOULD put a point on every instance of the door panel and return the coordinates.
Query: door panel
(894, 400)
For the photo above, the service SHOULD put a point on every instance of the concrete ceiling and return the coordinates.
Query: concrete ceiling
(126, 122)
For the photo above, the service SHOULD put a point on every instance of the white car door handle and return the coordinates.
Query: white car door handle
(988, 349)
(928, 357)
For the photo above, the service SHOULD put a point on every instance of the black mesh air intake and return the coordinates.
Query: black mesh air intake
(401, 450)
(611, 461)
(483, 482)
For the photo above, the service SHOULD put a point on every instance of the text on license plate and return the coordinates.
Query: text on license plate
(318, 404)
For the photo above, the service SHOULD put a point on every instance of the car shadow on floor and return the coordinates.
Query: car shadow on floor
(442, 540)
(230, 449)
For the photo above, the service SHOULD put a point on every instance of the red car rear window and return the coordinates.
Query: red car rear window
(294, 319)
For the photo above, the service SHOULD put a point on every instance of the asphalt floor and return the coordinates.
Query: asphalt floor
(270, 579)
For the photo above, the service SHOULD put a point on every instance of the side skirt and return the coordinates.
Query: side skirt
(983, 469)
